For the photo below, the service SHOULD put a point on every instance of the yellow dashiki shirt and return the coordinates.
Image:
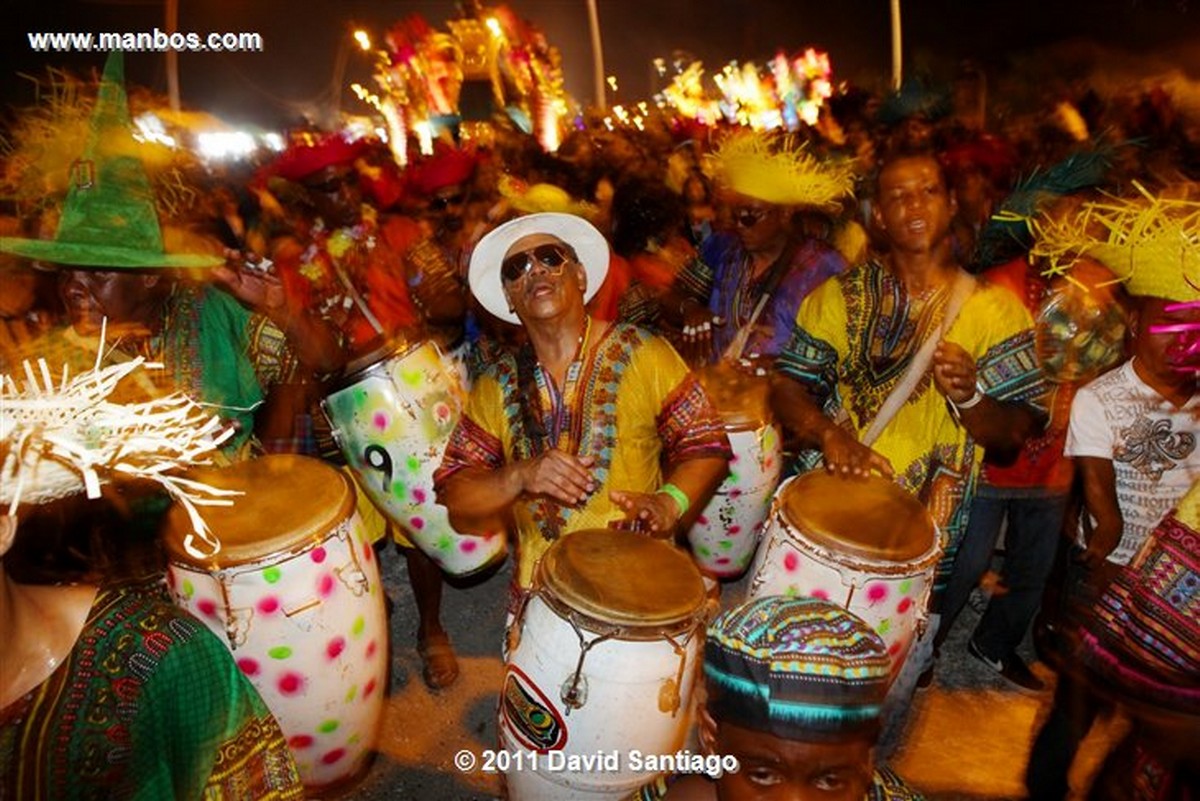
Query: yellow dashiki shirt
(855, 336)
(633, 406)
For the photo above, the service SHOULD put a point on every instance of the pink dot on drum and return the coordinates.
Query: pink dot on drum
(333, 756)
(876, 593)
(894, 649)
(207, 607)
(318, 555)
(734, 530)
(371, 648)
(268, 605)
(702, 520)
(904, 605)
(248, 666)
(299, 741)
(791, 561)
(290, 683)
(368, 552)
(369, 688)
(380, 421)
(722, 560)
(467, 545)
(820, 594)
(419, 495)
(335, 647)
(417, 523)
(325, 585)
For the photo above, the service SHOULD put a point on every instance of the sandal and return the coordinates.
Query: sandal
(439, 665)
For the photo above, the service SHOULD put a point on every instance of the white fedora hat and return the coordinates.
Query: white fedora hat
(484, 274)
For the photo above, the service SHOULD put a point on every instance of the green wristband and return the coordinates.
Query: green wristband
(678, 495)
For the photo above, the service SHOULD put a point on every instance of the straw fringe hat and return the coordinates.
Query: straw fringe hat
(62, 437)
(780, 170)
(1151, 243)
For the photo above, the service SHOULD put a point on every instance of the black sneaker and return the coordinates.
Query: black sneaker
(1013, 669)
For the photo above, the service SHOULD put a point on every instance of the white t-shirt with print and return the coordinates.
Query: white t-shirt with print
(1152, 445)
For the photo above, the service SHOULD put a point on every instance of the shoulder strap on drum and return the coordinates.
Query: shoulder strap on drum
(964, 285)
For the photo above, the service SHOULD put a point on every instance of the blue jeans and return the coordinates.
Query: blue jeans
(1034, 521)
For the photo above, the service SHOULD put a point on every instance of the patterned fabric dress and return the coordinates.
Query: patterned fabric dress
(855, 336)
(632, 405)
(733, 295)
(148, 705)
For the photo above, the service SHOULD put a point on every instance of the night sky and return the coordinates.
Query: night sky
(295, 72)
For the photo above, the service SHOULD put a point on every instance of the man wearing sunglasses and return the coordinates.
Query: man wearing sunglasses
(741, 297)
(589, 424)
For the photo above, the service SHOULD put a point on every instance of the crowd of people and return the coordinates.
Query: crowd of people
(893, 274)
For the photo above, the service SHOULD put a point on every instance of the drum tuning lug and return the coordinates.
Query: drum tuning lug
(574, 692)
(353, 577)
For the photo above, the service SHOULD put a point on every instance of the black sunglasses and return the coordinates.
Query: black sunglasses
(443, 203)
(748, 218)
(552, 257)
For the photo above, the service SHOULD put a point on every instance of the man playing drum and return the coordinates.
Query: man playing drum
(588, 424)
(856, 339)
(794, 692)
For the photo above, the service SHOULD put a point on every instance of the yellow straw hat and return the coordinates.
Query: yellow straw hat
(780, 170)
(1151, 244)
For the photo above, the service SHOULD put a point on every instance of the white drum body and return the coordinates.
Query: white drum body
(392, 421)
(633, 692)
(891, 596)
(308, 628)
(725, 536)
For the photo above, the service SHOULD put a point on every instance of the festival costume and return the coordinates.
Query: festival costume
(734, 294)
(853, 339)
(1139, 634)
(212, 348)
(137, 711)
(629, 403)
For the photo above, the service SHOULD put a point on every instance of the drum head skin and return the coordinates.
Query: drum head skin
(870, 518)
(622, 578)
(742, 400)
(287, 500)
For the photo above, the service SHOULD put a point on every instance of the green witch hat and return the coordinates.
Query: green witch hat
(108, 219)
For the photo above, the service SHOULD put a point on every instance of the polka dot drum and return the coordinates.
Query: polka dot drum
(392, 418)
(863, 544)
(295, 593)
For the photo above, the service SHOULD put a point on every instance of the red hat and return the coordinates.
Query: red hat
(303, 159)
(446, 167)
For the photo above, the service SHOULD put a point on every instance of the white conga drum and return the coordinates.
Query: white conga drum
(392, 416)
(864, 544)
(605, 663)
(295, 593)
(727, 532)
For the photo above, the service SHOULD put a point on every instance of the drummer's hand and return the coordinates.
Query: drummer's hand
(698, 324)
(954, 372)
(559, 475)
(657, 512)
(846, 456)
(256, 286)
